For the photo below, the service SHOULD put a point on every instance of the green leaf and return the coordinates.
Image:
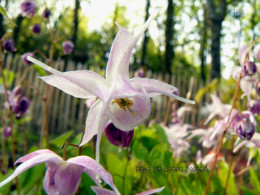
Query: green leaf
(139, 150)
(3, 12)
(161, 134)
(254, 180)
(60, 140)
(29, 178)
(6, 188)
(156, 156)
(9, 77)
(41, 71)
(209, 88)
(223, 171)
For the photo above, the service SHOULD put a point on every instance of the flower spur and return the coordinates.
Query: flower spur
(124, 101)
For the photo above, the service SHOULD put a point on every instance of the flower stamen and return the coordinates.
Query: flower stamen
(124, 103)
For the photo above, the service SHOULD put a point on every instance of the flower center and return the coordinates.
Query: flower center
(124, 103)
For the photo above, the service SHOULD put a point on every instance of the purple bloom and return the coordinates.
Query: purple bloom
(68, 47)
(123, 101)
(20, 105)
(249, 68)
(6, 131)
(257, 87)
(46, 13)
(245, 129)
(62, 177)
(18, 101)
(254, 107)
(24, 58)
(36, 29)
(140, 73)
(9, 46)
(28, 8)
(118, 137)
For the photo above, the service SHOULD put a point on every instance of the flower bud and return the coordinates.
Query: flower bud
(36, 29)
(68, 47)
(117, 137)
(6, 131)
(245, 129)
(46, 13)
(28, 8)
(24, 58)
(257, 88)
(139, 73)
(9, 46)
(249, 68)
(20, 105)
(254, 107)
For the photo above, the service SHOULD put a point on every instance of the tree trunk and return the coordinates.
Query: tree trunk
(146, 37)
(76, 23)
(216, 15)
(203, 41)
(169, 52)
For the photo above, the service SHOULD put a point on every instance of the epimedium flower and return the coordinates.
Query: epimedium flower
(28, 8)
(24, 58)
(118, 137)
(123, 101)
(46, 13)
(9, 46)
(62, 177)
(68, 47)
(36, 29)
(254, 107)
(6, 131)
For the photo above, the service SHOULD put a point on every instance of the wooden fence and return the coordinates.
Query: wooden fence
(67, 112)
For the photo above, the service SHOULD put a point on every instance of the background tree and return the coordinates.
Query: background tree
(216, 15)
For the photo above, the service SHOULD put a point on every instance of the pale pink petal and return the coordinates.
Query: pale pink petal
(80, 84)
(95, 122)
(102, 191)
(41, 158)
(236, 71)
(239, 146)
(118, 63)
(93, 166)
(49, 182)
(154, 87)
(125, 119)
(151, 191)
(33, 154)
(67, 178)
(242, 51)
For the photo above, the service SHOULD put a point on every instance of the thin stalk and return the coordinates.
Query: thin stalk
(3, 152)
(230, 164)
(167, 111)
(222, 137)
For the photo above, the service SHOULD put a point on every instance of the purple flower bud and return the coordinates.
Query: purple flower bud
(245, 129)
(118, 137)
(9, 46)
(20, 105)
(6, 131)
(36, 29)
(140, 73)
(68, 47)
(249, 68)
(46, 13)
(254, 107)
(257, 88)
(24, 58)
(28, 8)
